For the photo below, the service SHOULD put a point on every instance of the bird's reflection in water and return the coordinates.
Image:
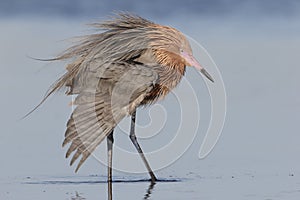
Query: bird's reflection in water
(146, 196)
(149, 190)
(109, 190)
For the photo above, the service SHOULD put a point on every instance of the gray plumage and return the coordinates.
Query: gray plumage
(109, 94)
(132, 62)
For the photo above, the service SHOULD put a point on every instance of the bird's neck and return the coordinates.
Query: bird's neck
(170, 70)
(170, 61)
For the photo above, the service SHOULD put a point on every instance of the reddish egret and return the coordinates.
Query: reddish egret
(132, 62)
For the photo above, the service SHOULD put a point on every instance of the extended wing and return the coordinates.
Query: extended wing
(106, 95)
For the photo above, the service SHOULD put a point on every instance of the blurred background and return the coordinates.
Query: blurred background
(255, 44)
(95, 8)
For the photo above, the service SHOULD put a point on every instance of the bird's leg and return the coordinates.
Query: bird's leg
(138, 148)
(110, 141)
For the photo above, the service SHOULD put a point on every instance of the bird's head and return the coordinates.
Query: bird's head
(128, 35)
(173, 48)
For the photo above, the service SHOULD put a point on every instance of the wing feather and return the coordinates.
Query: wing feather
(111, 92)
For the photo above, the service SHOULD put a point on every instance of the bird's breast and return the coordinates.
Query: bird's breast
(169, 78)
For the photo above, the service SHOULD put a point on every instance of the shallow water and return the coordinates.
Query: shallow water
(243, 186)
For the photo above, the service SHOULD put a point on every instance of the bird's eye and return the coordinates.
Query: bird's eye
(181, 50)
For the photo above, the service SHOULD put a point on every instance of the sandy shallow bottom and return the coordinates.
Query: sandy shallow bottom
(246, 186)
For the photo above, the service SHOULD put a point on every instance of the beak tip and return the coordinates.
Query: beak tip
(207, 75)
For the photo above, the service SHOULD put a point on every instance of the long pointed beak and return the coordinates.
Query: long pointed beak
(193, 62)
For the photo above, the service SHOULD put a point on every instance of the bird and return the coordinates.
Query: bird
(130, 62)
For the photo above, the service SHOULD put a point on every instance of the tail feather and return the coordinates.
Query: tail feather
(65, 80)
